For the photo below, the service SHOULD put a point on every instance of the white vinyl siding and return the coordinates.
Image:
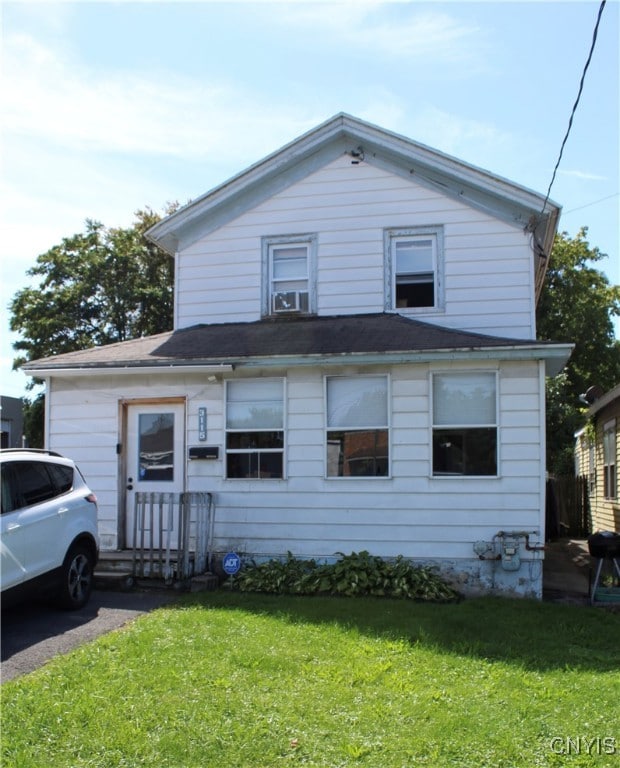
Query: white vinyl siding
(487, 268)
(409, 513)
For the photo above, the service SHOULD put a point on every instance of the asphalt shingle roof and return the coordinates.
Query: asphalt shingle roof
(290, 336)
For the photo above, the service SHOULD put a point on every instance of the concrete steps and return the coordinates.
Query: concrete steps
(115, 571)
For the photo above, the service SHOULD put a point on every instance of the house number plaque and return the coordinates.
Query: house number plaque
(202, 424)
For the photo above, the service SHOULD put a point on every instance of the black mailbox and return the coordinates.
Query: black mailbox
(204, 452)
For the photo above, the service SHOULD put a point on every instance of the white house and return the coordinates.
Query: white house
(353, 365)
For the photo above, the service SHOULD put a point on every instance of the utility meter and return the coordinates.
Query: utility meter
(511, 559)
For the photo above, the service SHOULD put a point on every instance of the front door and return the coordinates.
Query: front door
(155, 463)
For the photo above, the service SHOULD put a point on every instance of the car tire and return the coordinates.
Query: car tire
(76, 577)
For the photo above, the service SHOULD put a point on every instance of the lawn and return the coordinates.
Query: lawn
(245, 680)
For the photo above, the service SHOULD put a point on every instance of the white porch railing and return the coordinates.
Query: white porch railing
(172, 535)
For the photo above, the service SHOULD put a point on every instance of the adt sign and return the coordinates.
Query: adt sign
(231, 564)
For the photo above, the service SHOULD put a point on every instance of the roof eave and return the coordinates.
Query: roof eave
(555, 357)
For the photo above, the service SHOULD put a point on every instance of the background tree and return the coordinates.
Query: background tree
(577, 305)
(97, 287)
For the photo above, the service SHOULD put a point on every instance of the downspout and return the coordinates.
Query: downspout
(542, 409)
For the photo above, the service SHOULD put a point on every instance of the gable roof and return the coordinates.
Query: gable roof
(382, 338)
(344, 134)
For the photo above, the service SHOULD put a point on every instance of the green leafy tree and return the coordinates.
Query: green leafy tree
(97, 287)
(577, 305)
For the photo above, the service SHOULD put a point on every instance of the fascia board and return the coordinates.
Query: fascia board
(120, 370)
(604, 400)
(555, 356)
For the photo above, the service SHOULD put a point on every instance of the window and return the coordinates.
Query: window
(156, 447)
(288, 273)
(255, 428)
(609, 460)
(413, 269)
(464, 424)
(357, 426)
(591, 467)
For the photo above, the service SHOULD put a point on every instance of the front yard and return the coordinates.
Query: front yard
(246, 680)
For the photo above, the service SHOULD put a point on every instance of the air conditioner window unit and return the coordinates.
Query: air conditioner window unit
(290, 301)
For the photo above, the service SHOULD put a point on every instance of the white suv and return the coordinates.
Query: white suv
(48, 534)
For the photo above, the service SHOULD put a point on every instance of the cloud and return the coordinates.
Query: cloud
(457, 136)
(584, 175)
(398, 30)
(52, 99)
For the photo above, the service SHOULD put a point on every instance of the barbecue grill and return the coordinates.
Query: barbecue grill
(604, 545)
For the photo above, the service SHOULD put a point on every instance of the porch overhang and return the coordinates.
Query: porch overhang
(554, 356)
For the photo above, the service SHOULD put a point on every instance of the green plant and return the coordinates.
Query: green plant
(354, 575)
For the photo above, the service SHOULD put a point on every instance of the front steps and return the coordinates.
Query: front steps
(125, 570)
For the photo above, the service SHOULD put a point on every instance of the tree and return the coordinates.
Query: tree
(97, 287)
(577, 305)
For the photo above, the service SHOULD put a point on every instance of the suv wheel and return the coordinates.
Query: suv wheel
(77, 577)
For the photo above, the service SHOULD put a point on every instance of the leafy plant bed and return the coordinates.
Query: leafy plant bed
(354, 575)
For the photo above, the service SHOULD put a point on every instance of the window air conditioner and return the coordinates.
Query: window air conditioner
(290, 301)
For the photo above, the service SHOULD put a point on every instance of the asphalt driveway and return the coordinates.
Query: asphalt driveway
(32, 633)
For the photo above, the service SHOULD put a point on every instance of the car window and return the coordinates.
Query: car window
(34, 482)
(62, 477)
(9, 502)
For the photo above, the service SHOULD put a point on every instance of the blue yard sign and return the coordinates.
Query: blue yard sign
(232, 563)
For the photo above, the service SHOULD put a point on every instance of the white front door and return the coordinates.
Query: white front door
(155, 463)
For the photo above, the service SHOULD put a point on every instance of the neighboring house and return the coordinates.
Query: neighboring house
(354, 347)
(12, 414)
(596, 458)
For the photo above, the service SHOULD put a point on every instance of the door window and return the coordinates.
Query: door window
(156, 447)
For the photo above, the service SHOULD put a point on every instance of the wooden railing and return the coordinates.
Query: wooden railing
(172, 535)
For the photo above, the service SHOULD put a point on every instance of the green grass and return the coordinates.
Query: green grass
(229, 679)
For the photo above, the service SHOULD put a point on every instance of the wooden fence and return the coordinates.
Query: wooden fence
(568, 508)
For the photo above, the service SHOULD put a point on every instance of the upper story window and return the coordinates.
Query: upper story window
(465, 424)
(289, 269)
(414, 269)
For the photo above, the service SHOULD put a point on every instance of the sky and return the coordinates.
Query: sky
(111, 107)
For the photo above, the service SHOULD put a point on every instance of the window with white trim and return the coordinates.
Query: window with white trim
(414, 262)
(357, 436)
(465, 424)
(288, 274)
(255, 428)
(609, 460)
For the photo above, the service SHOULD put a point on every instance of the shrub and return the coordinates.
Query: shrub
(359, 573)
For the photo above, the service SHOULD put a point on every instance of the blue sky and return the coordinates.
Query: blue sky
(113, 106)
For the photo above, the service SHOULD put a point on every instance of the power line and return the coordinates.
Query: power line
(572, 115)
(587, 205)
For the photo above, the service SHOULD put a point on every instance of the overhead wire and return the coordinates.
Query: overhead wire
(572, 115)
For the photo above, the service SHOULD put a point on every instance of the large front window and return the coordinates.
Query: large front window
(609, 460)
(357, 426)
(255, 428)
(465, 424)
